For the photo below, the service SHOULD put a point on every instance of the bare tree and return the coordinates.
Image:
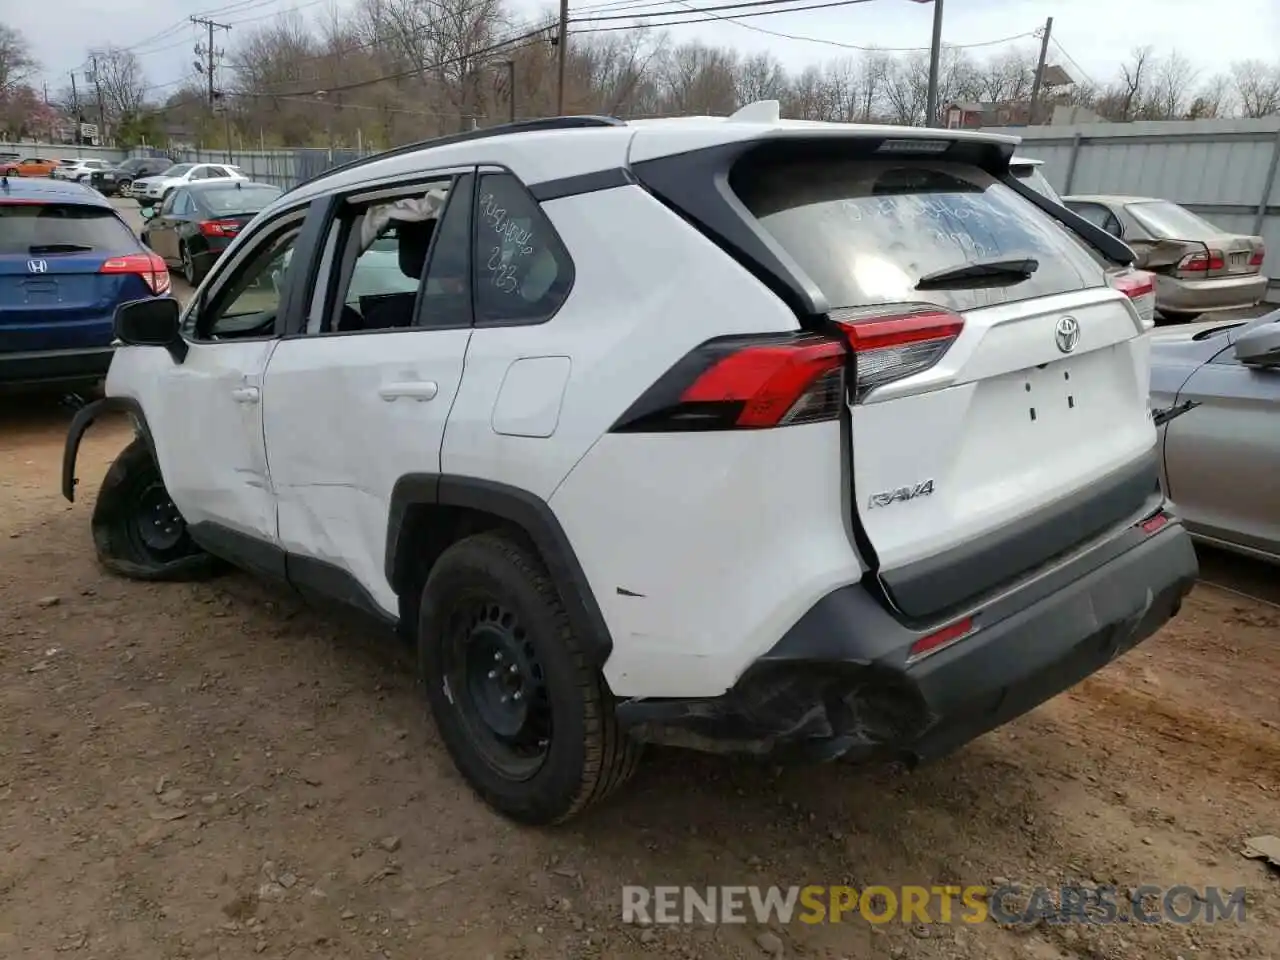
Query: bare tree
(17, 65)
(760, 77)
(1214, 98)
(1006, 77)
(1257, 84)
(906, 88)
(119, 75)
(1168, 94)
(1122, 100)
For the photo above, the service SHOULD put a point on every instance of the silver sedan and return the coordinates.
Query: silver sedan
(1198, 267)
(1215, 395)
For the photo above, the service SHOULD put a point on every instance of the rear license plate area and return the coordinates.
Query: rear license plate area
(40, 292)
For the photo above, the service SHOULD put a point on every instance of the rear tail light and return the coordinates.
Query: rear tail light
(774, 380)
(150, 266)
(219, 228)
(1259, 255)
(1140, 287)
(892, 345)
(1202, 262)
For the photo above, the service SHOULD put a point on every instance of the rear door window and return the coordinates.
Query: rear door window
(867, 231)
(30, 228)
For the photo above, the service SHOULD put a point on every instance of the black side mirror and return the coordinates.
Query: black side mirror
(151, 323)
(1260, 347)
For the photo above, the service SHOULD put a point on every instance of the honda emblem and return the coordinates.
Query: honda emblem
(37, 266)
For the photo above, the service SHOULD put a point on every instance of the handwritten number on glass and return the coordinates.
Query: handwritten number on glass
(514, 243)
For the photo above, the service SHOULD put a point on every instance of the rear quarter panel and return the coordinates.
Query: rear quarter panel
(701, 549)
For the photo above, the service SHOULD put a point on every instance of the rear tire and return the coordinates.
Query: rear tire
(527, 719)
(137, 531)
(191, 270)
(1176, 316)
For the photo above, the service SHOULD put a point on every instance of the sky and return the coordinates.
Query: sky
(1096, 34)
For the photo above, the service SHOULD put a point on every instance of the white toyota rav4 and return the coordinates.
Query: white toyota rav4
(733, 433)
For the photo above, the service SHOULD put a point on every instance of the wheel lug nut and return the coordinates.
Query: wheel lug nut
(512, 669)
(493, 674)
(516, 695)
(503, 698)
(497, 658)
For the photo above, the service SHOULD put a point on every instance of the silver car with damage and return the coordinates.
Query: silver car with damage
(1198, 267)
(1215, 394)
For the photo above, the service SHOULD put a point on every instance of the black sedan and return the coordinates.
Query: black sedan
(195, 223)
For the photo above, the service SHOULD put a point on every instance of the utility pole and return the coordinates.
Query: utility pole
(511, 90)
(1039, 80)
(45, 87)
(209, 68)
(935, 57)
(562, 53)
(102, 113)
(75, 113)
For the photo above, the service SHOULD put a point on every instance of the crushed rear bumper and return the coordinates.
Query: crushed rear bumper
(841, 681)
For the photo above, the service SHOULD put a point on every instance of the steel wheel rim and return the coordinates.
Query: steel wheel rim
(157, 522)
(498, 686)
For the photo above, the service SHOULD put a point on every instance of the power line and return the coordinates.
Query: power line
(646, 14)
(1072, 60)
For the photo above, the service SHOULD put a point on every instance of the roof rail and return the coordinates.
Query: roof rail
(498, 130)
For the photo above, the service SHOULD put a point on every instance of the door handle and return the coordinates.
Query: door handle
(420, 390)
(245, 394)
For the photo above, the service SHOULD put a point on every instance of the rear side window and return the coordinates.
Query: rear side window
(866, 231)
(522, 269)
(62, 227)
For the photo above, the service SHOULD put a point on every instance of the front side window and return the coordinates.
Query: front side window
(522, 271)
(869, 231)
(252, 295)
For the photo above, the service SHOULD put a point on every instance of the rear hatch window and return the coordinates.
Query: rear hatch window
(52, 228)
(868, 231)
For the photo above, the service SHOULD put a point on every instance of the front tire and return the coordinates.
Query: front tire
(137, 531)
(527, 719)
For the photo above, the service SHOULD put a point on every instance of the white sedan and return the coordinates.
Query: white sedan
(149, 190)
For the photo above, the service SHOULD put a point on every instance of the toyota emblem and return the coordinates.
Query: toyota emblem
(37, 266)
(1067, 334)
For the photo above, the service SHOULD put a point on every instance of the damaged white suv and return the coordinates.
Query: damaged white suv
(735, 433)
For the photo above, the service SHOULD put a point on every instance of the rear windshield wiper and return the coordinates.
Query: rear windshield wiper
(58, 248)
(981, 273)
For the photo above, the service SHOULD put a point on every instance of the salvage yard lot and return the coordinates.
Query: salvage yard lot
(217, 770)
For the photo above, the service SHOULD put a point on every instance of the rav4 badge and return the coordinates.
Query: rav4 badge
(900, 495)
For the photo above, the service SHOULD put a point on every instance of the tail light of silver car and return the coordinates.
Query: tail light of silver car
(1201, 263)
(1259, 254)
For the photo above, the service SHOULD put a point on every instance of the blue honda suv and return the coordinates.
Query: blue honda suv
(67, 259)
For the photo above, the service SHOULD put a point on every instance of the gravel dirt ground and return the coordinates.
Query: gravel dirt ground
(217, 770)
